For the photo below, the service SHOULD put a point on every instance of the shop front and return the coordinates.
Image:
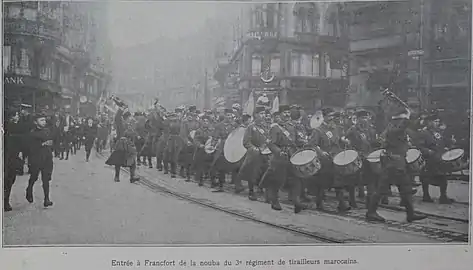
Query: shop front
(21, 89)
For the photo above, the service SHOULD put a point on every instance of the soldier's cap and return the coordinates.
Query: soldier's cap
(192, 108)
(259, 109)
(198, 112)
(39, 115)
(334, 114)
(432, 116)
(276, 113)
(284, 108)
(228, 111)
(23, 105)
(172, 115)
(178, 110)
(327, 111)
(295, 114)
(362, 113)
(205, 117)
(236, 106)
(296, 107)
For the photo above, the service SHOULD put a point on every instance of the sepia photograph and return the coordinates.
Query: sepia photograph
(214, 123)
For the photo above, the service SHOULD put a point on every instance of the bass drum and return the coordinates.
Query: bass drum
(233, 149)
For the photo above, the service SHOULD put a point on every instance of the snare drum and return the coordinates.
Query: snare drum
(415, 161)
(454, 160)
(374, 159)
(347, 162)
(306, 163)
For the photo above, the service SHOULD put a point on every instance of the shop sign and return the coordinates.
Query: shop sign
(13, 80)
(262, 34)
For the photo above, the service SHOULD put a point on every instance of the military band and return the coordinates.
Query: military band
(270, 150)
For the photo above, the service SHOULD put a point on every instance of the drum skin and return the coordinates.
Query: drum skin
(233, 149)
(347, 162)
(305, 163)
(454, 160)
(415, 161)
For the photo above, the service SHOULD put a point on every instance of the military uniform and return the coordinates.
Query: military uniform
(282, 144)
(12, 142)
(362, 139)
(174, 144)
(201, 160)
(433, 143)
(254, 163)
(187, 152)
(395, 170)
(219, 164)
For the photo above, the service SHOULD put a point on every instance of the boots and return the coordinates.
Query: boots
(342, 207)
(251, 193)
(371, 214)
(411, 215)
(117, 174)
(274, 193)
(150, 163)
(6, 201)
(133, 177)
(352, 197)
(173, 169)
(426, 194)
(47, 202)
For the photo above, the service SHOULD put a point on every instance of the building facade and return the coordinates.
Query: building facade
(295, 51)
(51, 57)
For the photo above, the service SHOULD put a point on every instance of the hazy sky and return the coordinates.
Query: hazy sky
(139, 22)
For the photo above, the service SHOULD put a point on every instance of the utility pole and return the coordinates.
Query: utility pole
(206, 92)
(421, 94)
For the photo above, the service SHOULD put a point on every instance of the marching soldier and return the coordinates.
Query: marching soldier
(40, 158)
(201, 160)
(174, 142)
(124, 153)
(189, 125)
(394, 166)
(282, 144)
(219, 164)
(255, 140)
(433, 143)
(327, 140)
(362, 136)
(297, 121)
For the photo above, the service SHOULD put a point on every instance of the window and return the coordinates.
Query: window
(24, 67)
(29, 14)
(275, 64)
(305, 64)
(256, 63)
(46, 72)
(14, 12)
(6, 58)
(270, 14)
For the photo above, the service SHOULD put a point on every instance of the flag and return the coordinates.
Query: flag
(250, 104)
(275, 105)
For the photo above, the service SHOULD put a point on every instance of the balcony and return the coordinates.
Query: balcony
(321, 40)
(262, 33)
(374, 30)
(46, 29)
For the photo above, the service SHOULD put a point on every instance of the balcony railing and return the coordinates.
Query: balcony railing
(44, 29)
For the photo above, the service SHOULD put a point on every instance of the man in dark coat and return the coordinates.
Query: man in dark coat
(201, 160)
(174, 143)
(41, 158)
(12, 142)
(90, 133)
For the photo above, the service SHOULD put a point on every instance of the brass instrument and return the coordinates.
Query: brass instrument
(394, 97)
(120, 103)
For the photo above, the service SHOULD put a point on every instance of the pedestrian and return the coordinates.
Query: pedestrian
(89, 133)
(12, 142)
(41, 158)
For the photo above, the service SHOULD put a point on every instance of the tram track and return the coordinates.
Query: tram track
(159, 188)
(436, 233)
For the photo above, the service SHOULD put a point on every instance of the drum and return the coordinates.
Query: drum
(415, 161)
(454, 160)
(374, 159)
(233, 149)
(347, 162)
(306, 163)
(209, 147)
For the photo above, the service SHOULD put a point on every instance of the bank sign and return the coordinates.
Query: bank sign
(17, 80)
